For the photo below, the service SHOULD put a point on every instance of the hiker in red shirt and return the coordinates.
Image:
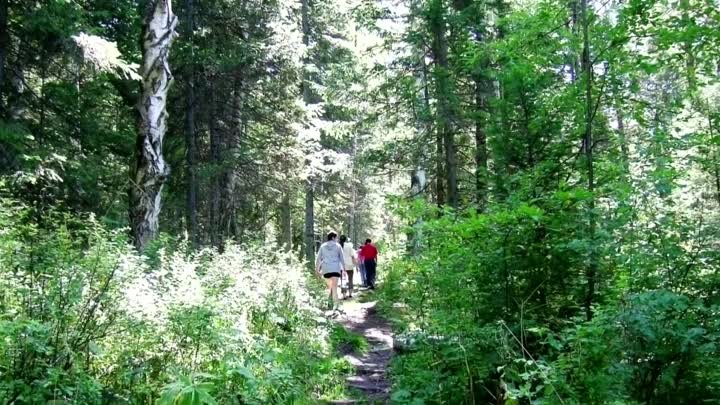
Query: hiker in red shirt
(369, 255)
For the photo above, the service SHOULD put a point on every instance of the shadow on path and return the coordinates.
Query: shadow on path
(370, 381)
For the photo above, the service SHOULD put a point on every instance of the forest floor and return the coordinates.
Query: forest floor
(370, 384)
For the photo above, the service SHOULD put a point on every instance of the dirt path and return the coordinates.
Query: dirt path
(370, 381)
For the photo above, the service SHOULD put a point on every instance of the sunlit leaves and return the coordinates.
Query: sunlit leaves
(104, 55)
(188, 390)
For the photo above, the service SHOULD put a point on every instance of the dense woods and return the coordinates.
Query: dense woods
(542, 178)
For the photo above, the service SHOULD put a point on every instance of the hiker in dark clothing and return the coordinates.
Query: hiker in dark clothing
(369, 255)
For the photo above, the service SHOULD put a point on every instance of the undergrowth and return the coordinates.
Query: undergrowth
(485, 314)
(345, 341)
(85, 320)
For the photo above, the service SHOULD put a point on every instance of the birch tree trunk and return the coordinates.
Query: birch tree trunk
(150, 170)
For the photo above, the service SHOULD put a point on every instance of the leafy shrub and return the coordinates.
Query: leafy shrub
(86, 320)
(492, 308)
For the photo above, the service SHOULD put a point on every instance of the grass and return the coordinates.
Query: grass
(348, 342)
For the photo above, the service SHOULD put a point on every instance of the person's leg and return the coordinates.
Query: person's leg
(333, 289)
(363, 275)
(370, 273)
(328, 282)
(343, 289)
(350, 281)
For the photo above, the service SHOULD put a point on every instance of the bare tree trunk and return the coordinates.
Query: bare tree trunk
(715, 159)
(7, 159)
(4, 44)
(286, 222)
(716, 172)
(309, 223)
(481, 157)
(352, 217)
(690, 63)
(216, 185)
(445, 116)
(440, 170)
(230, 156)
(16, 99)
(573, 28)
(418, 177)
(190, 133)
(43, 98)
(586, 66)
(417, 187)
(497, 91)
(310, 184)
(150, 170)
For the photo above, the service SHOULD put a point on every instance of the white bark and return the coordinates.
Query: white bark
(151, 170)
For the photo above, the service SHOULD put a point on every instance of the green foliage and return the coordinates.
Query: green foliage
(344, 340)
(581, 267)
(86, 320)
(492, 306)
(187, 390)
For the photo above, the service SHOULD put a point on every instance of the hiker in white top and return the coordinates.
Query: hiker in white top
(350, 262)
(330, 263)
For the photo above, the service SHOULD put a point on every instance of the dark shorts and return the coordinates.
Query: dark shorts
(328, 275)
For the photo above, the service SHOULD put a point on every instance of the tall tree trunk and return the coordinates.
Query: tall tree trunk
(690, 63)
(310, 184)
(231, 153)
(216, 184)
(440, 170)
(439, 149)
(4, 44)
(481, 157)
(573, 28)
(445, 114)
(417, 175)
(586, 66)
(309, 223)
(7, 160)
(714, 158)
(190, 132)
(423, 125)
(150, 171)
(286, 222)
(16, 99)
(496, 90)
(417, 187)
(716, 173)
(352, 217)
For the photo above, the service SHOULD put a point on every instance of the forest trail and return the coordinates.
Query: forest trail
(370, 382)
